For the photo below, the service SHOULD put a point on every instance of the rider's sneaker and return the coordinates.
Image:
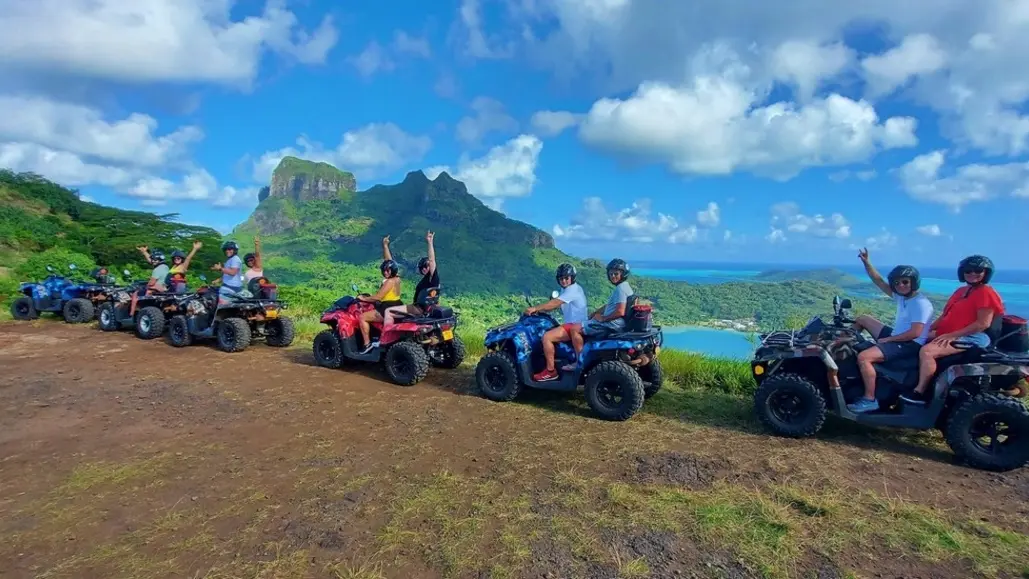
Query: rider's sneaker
(916, 398)
(863, 405)
(545, 375)
(370, 347)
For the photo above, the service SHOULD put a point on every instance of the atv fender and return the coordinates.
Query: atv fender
(191, 323)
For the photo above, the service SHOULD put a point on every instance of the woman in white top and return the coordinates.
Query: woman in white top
(253, 261)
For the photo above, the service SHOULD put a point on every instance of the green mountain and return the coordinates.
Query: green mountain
(828, 275)
(313, 211)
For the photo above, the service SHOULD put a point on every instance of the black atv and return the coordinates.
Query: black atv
(804, 374)
(153, 310)
(233, 321)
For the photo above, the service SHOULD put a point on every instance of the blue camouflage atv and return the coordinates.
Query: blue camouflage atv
(73, 299)
(618, 370)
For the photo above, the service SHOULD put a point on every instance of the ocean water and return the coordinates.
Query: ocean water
(1013, 287)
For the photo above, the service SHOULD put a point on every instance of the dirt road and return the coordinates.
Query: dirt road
(125, 458)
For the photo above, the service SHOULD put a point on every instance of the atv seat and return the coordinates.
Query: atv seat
(623, 335)
(637, 320)
(428, 301)
(899, 371)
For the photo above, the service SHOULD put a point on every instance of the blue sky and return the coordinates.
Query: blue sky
(732, 131)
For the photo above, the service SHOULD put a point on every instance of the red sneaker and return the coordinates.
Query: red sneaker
(545, 375)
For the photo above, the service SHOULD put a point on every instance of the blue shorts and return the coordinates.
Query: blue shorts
(896, 350)
(592, 327)
(978, 339)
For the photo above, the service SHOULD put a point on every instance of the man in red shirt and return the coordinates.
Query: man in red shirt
(968, 314)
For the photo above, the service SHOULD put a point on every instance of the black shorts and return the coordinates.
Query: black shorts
(896, 350)
(381, 307)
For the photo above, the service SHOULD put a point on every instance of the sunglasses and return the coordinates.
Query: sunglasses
(976, 270)
(902, 282)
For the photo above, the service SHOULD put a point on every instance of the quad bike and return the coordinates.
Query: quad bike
(233, 321)
(406, 349)
(75, 300)
(618, 370)
(803, 375)
(153, 310)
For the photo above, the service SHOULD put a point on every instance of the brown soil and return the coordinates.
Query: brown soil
(126, 458)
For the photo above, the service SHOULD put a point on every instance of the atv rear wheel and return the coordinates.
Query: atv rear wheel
(78, 311)
(150, 323)
(280, 332)
(990, 432)
(790, 405)
(178, 332)
(233, 335)
(327, 349)
(406, 363)
(653, 377)
(614, 390)
(496, 377)
(451, 352)
(106, 318)
(24, 309)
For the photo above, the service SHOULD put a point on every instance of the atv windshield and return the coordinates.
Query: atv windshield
(813, 326)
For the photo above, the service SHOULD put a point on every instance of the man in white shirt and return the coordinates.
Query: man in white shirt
(572, 301)
(905, 339)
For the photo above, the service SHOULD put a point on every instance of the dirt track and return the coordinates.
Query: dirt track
(124, 458)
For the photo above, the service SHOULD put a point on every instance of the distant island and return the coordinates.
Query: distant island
(828, 275)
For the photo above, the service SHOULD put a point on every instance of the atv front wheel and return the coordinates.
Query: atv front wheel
(614, 390)
(496, 377)
(990, 432)
(24, 309)
(280, 332)
(653, 377)
(78, 311)
(150, 323)
(233, 335)
(790, 405)
(327, 349)
(178, 332)
(106, 318)
(406, 363)
(451, 352)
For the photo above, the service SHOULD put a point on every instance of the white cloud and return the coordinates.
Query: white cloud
(917, 54)
(776, 235)
(553, 123)
(61, 166)
(788, 216)
(807, 64)
(507, 170)
(377, 58)
(80, 130)
(371, 150)
(710, 216)
(154, 40)
(490, 117)
(633, 224)
(472, 37)
(727, 235)
(840, 176)
(197, 185)
(921, 178)
(881, 240)
(714, 126)
(932, 230)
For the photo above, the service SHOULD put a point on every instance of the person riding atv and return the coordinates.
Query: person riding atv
(804, 374)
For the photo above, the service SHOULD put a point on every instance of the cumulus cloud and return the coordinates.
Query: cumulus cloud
(489, 116)
(787, 217)
(931, 230)
(806, 64)
(713, 125)
(378, 58)
(553, 123)
(709, 216)
(154, 40)
(917, 54)
(369, 151)
(507, 170)
(633, 224)
(923, 180)
(196, 185)
(880, 240)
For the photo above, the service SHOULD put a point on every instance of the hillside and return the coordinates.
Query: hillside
(39, 217)
(828, 275)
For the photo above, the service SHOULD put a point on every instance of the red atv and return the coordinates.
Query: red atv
(406, 349)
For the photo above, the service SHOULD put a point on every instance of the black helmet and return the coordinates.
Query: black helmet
(908, 271)
(565, 270)
(389, 268)
(156, 256)
(423, 263)
(230, 245)
(179, 254)
(249, 256)
(976, 262)
(618, 264)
